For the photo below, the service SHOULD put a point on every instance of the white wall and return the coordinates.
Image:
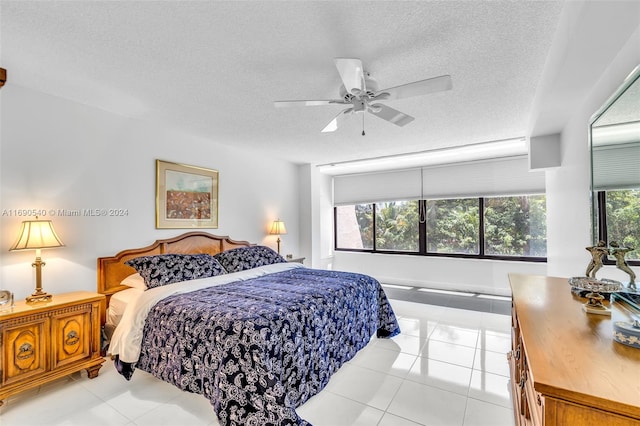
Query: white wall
(608, 61)
(474, 275)
(316, 217)
(58, 154)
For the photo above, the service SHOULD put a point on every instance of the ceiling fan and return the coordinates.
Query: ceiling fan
(360, 91)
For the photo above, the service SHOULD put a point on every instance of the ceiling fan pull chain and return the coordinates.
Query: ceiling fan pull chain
(362, 123)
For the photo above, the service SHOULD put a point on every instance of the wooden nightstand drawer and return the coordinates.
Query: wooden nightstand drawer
(23, 347)
(45, 341)
(72, 339)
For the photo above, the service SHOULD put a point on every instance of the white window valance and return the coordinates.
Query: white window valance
(507, 176)
(616, 166)
(376, 187)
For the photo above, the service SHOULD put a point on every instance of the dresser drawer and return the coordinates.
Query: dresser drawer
(535, 403)
(71, 336)
(24, 350)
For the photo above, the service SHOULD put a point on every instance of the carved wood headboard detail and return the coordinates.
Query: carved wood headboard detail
(112, 270)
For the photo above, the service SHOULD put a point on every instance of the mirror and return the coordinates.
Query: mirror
(615, 168)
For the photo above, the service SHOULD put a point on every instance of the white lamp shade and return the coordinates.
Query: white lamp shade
(278, 228)
(35, 235)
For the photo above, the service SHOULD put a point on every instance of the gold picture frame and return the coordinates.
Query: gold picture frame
(186, 196)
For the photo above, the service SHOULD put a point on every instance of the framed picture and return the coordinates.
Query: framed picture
(186, 196)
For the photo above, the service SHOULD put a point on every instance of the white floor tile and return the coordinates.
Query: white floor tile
(366, 386)
(442, 375)
(428, 405)
(494, 342)
(418, 327)
(491, 362)
(480, 413)
(401, 343)
(61, 402)
(448, 352)
(328, 409)
(461, 318)
(497, 323)
(188, 409)
(457, 335)
(392, 420)
(491, 388)
(142, 394)
(385, 361)
(108, 383)
(98, 415)
(404, 309)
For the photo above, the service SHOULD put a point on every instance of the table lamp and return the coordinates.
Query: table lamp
(278, 229)
(37, 235)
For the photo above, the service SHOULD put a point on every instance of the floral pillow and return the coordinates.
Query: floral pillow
(243, 258)
(163, 269)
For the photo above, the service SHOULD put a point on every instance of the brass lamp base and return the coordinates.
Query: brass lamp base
(39, 297)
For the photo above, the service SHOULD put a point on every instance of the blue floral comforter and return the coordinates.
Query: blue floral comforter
(259, 348)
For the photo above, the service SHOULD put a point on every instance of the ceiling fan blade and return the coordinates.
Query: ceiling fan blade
(337, 120)
(284, 104)
(352, 74)
(387, 113)
(417, 88)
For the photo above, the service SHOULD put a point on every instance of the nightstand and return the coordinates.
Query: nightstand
(45, 341)
(296, 259)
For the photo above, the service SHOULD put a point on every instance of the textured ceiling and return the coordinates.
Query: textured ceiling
(215, 68)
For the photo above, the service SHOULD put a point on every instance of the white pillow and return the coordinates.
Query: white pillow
(135, 281)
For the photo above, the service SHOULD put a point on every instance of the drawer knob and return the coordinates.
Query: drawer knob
(25, 351)
(72, 338)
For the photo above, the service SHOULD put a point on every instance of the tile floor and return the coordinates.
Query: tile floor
(447, 368)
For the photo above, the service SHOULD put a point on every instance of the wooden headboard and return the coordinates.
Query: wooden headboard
(112, 270)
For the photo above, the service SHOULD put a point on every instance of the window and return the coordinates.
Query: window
(510, 228)
(453, 226)
(619, 219)
(354, 226)
(397, 226)
(515, 226)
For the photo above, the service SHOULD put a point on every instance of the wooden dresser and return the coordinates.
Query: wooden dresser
(45, 341)
(566, 369)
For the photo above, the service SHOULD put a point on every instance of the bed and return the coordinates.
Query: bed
(255, 334)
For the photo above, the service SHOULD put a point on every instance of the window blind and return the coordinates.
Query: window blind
(377, 187)
(508, 176)
(616, 166)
